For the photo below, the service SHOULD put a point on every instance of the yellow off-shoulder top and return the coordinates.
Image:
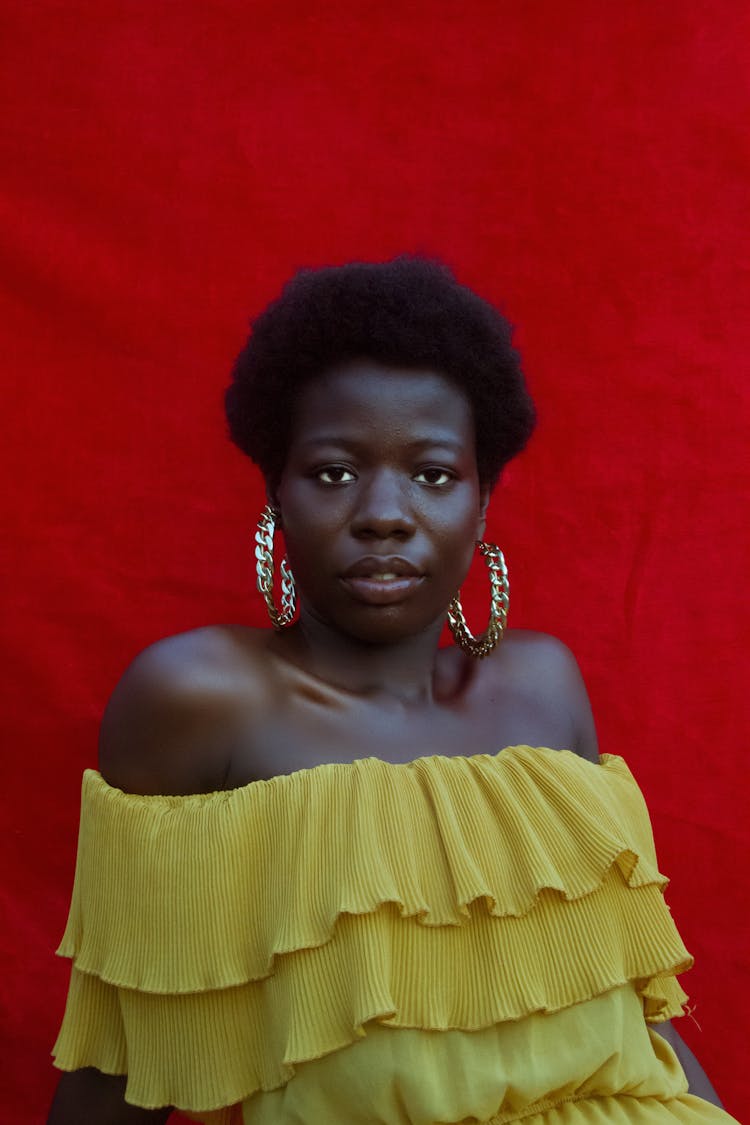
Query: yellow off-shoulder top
(453, 940)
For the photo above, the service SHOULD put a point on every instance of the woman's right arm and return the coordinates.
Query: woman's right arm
(98, 1099)
(168, 728)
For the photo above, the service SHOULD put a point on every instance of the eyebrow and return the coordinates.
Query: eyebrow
(441, 440)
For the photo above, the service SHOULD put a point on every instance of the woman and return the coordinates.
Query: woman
(332, 872)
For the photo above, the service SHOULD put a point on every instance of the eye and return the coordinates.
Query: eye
(434, 476)
(335, 474)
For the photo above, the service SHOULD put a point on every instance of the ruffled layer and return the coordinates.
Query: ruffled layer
(685, 1110)
(499, 1074)
(250, 931)
(247, 875)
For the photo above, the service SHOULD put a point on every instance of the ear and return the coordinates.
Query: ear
(484, 499)
(272, 499)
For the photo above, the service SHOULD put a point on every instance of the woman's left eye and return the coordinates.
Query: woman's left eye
(434, 476)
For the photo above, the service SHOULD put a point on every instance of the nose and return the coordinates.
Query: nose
(383, 509)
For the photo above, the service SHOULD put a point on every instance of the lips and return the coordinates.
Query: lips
(392, 566)
(382, 581)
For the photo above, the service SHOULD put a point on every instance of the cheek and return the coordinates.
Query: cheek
(468, 551)
(310, 547)
(457, 549)
(472, 533)
(466, 524)
(302, 551)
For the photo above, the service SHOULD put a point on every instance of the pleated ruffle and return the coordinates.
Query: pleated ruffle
(600, 1048)
(685, 1110)
(224, 938)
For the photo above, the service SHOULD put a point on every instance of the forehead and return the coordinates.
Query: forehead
(363, 399)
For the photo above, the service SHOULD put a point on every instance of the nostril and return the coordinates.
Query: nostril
(374, 530)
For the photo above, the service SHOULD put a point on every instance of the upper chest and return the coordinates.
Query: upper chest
(305, 723)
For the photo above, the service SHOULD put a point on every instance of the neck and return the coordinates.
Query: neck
(406, 670)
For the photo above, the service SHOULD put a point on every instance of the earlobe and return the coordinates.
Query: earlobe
(273, 502)
(484, 499)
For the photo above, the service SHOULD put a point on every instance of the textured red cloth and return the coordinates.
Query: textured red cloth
(166, 166)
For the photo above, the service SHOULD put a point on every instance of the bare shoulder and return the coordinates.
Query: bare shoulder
(178, 710)
(542, 665)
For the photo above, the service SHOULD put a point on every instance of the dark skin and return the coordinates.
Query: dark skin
(381, 466)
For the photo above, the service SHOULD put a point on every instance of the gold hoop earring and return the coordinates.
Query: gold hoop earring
(264, 570)
(499, 600)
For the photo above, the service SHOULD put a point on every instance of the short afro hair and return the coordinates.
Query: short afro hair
(409, 312)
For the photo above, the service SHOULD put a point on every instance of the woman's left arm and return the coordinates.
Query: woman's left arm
(698, 1082)
(586, 745)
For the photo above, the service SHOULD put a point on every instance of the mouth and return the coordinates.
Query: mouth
(382, 566)
(378, 581)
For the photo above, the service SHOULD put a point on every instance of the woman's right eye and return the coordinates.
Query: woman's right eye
(335, 474)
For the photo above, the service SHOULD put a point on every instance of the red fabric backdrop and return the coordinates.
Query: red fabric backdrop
(165, 166)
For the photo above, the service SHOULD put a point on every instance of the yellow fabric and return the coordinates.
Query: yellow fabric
(225, 945)
(600, 1048)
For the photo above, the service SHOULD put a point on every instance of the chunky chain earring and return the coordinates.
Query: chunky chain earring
(264, 570)
(499, 599)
